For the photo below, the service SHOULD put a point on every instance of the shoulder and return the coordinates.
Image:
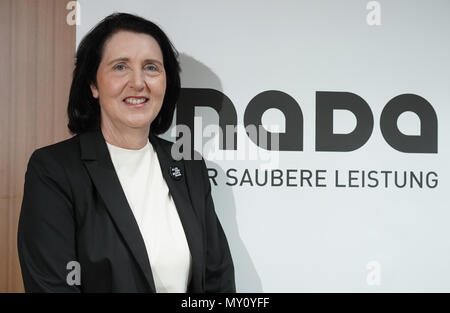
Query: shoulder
(59, 150)
(56, 156)
(52, 165)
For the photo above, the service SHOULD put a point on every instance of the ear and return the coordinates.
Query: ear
(94, 90)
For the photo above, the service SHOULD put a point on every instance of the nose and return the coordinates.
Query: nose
(137, 80)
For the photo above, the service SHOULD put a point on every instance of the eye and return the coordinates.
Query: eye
(151, 67)
(119, 67)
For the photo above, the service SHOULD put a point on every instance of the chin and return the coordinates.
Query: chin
(140, 119)
(139, 123)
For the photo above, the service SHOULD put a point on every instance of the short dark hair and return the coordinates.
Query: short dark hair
(83, 109)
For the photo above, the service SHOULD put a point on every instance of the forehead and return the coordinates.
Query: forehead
(131, 45)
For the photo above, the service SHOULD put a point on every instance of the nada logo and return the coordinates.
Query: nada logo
(326, 103)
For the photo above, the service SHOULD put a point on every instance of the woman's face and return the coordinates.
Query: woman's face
(131, 81)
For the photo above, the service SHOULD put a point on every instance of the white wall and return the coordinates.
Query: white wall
(295, 239)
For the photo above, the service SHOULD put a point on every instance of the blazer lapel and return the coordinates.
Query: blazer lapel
(95, 156)
(180, 194)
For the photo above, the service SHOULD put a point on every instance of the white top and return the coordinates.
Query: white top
(155, 212)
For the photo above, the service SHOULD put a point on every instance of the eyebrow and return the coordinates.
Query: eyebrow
(125, 59)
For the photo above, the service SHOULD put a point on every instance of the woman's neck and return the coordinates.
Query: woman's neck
(127, 138)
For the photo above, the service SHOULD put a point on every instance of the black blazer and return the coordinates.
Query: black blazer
(74, 209)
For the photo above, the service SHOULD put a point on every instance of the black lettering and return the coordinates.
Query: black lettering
(434, 181)
(351, 178)
(289, 178)
(373, 179)
(292, 138)
(386, 177)
(396, 180)
(213, 176)
(326, 103)
(320, 178)
(337, 179)
(427, 141)
(417, 180)
(257, 175)
(246, 178)
(279, 177)
(305, 177)
(232, 177)
(204, 97)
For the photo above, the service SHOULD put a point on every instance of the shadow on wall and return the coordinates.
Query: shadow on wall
(195, 74)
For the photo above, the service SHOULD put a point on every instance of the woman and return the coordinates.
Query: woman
(112, 198)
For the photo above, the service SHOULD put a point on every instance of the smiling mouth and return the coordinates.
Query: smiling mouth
(136, 101)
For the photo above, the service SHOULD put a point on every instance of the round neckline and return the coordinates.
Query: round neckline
(146, 147)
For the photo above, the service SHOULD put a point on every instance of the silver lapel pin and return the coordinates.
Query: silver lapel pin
(175, 172)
